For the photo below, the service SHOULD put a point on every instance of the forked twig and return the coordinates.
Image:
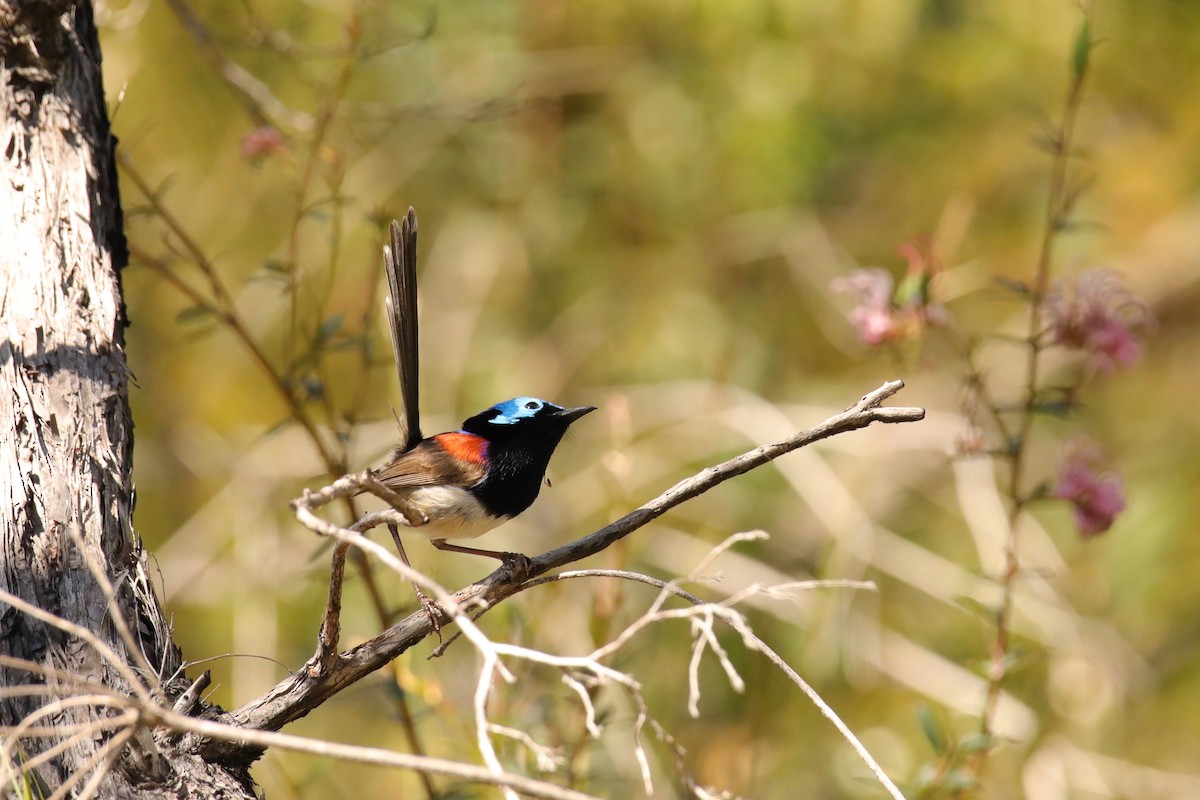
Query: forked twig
(298, 694)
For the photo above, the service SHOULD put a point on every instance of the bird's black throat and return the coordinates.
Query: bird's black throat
(516, 469)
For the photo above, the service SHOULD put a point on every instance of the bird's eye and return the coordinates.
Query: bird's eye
(533, 405)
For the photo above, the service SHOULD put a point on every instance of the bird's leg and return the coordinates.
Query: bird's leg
(518, 563)
(429, 604)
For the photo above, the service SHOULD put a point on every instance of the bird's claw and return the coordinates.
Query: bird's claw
(432, 610)
(518, 564)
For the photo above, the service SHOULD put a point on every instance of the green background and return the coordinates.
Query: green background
(641, 206)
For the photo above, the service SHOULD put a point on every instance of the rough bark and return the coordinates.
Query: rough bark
(66, 493)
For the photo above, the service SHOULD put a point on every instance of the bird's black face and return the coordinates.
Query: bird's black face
(521, 434)
(525, 418)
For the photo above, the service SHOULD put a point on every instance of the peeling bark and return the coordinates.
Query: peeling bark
(66, 493)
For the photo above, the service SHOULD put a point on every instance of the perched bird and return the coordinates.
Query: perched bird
(462, 483)
(467, 482)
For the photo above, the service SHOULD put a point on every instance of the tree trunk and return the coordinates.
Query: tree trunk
(66, 492)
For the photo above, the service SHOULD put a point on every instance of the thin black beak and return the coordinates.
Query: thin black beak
(572, 414)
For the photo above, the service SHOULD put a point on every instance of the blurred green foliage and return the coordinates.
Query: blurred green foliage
(642, 206)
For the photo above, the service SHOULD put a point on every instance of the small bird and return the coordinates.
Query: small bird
(467, 482)
(462, 483)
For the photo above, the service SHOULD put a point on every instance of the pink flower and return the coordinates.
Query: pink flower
(874, 318)
(1113, 345)
(261, 142)
(1096, 314)
(1097, 499)
(889, 313)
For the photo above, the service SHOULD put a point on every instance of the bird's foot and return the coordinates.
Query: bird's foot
(432, 610)
(519, 564)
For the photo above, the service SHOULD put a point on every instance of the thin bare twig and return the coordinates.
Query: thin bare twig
(115, 614)
(101, 760)
(867, 410)
(82, 634)
(752, 640)
(59, 676)
(702, 615)
(622, 574)
(364, 755)
(299, 694)
(255, 96)
(137, 712)
(69, 736)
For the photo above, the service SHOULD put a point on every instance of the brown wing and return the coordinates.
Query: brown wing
(428, 464)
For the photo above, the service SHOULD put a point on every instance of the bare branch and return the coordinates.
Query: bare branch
(548, 758)
(758, 644)
(298, 694)
(859, 415)
(363, 755)
(61, 676)
(636, 577)
(589, 717)
(101, 760)
(256, 97)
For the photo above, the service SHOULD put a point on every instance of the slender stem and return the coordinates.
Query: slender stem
(244, 737)
(326, 114)
(977, 384)
(1054, 221)
(331, 621)
(229, 316)
(325, 117)
(256, 98)
(333, 455)
(222, 305)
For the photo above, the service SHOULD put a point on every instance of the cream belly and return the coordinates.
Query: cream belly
(453, 513)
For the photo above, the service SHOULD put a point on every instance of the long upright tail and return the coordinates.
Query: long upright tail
(400, 262)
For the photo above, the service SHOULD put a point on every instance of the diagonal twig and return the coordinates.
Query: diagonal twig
(298, 694)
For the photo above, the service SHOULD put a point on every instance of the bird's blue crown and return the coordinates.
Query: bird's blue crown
(517, 409)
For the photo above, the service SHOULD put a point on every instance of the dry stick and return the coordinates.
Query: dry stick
(494, 652)
(100, 695)
(263, 107)
(13, 738)
(753, 641)
(750, 638)
(331, 97)
(143, 712)
(224, 308)
(243, 737)
(28, 690)
(330, 630)
(68, 736)
(331, 622)
(186, 702)
(859, 415)
(226, 311)
(105, 652)
(101, 759)
(115, 613)
(298, 694)
(635, 577)
(61, 677)
(106, 756)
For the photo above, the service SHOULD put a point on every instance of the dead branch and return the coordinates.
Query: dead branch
(300, 693)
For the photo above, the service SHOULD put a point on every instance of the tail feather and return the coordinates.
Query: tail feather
(400, 263)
